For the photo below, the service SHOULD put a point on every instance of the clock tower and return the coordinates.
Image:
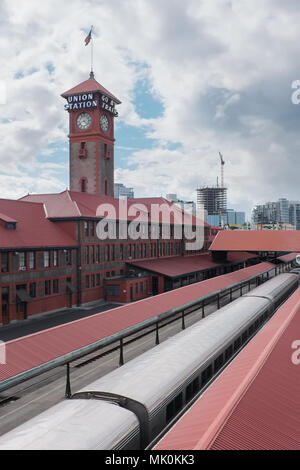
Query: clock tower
(92, 110)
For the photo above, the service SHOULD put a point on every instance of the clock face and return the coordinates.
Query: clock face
(104, 123)
(84, 121)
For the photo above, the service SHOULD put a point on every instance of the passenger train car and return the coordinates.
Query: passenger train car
(129, 407)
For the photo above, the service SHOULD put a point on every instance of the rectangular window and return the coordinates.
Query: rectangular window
(87, 282)
(106, 252)
(218, 363)
(237, 344)
(97, 254)
(47, 287)
(113, 291)
(55, 258)
(92, 229)
(68, 257)
(98, 279)
(192, 389)
(86, 255)
(93, 280)
(55, 286)
(228, 352)
(92, 254)
(86, 228)
(174, 407)
(136, 288)
(31, 260)
(112, 252)
(4, 263)
(206, 375)
(141, 287)
(46, 259)
(32, 289)
(22, 261)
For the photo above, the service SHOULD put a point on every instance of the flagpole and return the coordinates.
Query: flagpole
(92, 50)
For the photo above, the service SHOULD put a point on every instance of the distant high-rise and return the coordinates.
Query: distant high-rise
(282, 211)
(214, 199)
(122, 191)
(186, 206)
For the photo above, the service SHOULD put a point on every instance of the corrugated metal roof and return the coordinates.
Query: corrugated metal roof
(287, 258)
(29, 352)
(180, 265)
(256, 240)
(255, 402)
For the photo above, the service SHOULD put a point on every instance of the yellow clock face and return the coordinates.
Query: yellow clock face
(84, 121)
(104, 122)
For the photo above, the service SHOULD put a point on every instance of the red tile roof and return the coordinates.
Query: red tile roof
(33, 229)
(179, 265)
(26, 353)
(77, 204)
(92, 86)
(256, 240)
(255, 403)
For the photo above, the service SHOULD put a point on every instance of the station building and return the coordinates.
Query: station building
(51, 255)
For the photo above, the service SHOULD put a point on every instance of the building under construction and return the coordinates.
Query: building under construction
(213, 198)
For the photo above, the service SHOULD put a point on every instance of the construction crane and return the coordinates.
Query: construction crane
(222, 170)
(222, 184)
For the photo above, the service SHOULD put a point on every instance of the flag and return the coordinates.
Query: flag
(88, 38)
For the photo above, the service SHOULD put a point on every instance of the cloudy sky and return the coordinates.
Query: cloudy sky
(195, 77)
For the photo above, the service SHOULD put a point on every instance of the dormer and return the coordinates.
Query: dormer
(7, 222)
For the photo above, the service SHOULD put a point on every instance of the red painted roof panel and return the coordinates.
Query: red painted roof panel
(33, 228)
(257, 240)
(77, 204)
(255, 403)
(90, 85)
(28, 352)
(179, 265)
(287, 258)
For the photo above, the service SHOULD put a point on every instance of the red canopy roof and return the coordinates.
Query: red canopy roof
(26, 353)
(180, 265)
(255, 403)
(256, 240)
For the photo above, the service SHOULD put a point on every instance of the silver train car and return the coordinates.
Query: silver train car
(129, 407)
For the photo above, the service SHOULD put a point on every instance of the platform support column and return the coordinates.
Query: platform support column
(68, 392)
(156, 334)
(121, 361)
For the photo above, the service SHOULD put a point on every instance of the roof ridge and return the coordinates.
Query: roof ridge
(73, 202)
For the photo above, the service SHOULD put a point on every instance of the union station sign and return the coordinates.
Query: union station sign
(89, 100)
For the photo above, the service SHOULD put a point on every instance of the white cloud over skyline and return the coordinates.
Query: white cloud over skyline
(222, 71)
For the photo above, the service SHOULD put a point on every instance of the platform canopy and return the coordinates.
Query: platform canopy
(257, 240)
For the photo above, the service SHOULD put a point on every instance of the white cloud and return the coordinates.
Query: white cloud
(223, 71)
